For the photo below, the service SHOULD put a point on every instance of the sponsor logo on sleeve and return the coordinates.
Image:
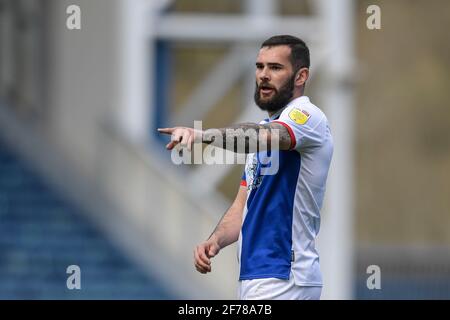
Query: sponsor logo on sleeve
(299, 116)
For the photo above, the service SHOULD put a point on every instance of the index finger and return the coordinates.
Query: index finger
(166, 130)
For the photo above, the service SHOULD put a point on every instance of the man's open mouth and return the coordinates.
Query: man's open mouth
(265, 89)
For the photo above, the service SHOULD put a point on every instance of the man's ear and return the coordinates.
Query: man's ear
(301, 77)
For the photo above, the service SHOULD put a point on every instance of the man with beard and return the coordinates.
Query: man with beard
(275, 217)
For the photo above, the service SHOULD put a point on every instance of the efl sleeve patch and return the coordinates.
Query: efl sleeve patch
(299, 116)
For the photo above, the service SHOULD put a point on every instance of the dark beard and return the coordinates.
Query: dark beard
(280, 98)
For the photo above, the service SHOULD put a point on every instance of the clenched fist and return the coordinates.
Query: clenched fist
(203, 254)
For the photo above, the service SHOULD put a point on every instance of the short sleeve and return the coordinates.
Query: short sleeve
(306, 125)
(243, 180)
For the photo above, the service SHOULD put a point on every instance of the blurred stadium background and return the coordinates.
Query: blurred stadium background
(85, 180)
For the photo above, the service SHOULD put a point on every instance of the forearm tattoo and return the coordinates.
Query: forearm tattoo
(249, 137)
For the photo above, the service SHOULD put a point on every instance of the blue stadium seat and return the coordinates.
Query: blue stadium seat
(41, 234)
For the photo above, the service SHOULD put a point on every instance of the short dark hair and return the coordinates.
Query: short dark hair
(299, 49)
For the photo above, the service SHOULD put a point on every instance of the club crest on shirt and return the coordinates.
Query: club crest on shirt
(299, 116)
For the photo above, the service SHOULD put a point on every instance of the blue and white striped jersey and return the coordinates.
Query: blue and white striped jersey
(282, 214)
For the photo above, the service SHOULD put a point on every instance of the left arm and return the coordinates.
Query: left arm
(240, 138)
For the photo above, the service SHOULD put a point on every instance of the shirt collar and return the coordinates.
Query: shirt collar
(277, 114)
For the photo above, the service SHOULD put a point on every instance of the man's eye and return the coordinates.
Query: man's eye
(275, 68)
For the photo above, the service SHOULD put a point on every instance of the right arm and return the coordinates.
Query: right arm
(226, 232)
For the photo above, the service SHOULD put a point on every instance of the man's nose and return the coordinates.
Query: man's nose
(264, 75)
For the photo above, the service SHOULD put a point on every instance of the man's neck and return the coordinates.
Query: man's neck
(271, 113)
